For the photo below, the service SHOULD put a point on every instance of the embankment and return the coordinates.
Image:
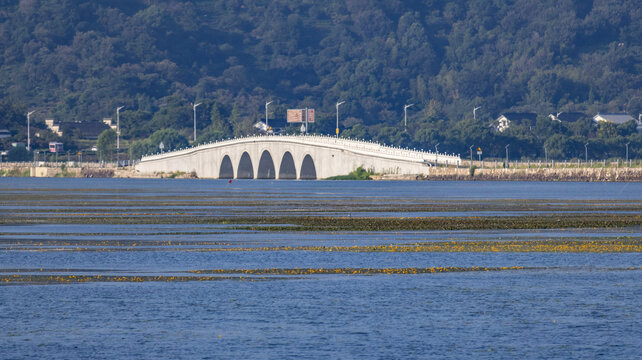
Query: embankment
(620, 174)
(524, 174)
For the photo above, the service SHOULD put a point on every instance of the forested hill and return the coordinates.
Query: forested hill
(80, 59)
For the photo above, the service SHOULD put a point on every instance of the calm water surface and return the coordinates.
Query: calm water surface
(571, 306)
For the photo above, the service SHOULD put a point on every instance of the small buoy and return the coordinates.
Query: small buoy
(230, 181)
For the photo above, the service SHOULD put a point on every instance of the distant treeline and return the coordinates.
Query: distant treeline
(77, 60)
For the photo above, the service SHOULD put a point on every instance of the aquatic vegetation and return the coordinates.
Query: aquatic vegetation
(75, 279)
(359, 174)
(624, 245)
(256, 274)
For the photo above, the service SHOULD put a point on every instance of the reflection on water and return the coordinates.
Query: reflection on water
(555, 304)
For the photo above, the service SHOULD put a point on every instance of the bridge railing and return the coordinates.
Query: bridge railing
(350, 144)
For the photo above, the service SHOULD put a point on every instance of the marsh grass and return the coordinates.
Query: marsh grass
(339, 223)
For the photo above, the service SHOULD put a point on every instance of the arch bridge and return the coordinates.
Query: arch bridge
(292, 157)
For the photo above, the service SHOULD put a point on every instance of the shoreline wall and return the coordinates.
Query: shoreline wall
(532, 174)
(621, 174)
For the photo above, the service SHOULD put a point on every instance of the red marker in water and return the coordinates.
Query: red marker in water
(230, 181)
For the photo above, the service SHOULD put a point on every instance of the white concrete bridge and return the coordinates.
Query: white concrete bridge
(292, 157)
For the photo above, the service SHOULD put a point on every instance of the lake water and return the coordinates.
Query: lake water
(562, 305)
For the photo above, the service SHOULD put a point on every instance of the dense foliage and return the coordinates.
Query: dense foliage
(106, 144)
(79, 59)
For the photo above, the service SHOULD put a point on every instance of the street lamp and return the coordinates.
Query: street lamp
(507, 154)
(118, 127)
(546, 153)
(586, 152)
(405, 116)
(338, 104)
(194, 107)
(267, 125)
(627, 152)
(436, 155)
(475, 112)
(471, 155)
(29, 130)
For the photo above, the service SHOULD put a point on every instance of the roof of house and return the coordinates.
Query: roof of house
(517, 116)
(86, 130)
(278, 123)
(568, 116)
(619, 118)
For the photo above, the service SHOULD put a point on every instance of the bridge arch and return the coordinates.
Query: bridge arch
(226, 170)
(287, 170)
(245, 169)
(266, 167)
(308, 170)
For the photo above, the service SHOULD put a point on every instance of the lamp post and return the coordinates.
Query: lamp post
(545, 153)
(338, 104)
(266, 115)
(471, 155)
(118, 127)
(405, 116)
(29, 130)
(475, 112)
(507, 146)
(627, 152)
(436, 154)
(194, 107)
(586, 152)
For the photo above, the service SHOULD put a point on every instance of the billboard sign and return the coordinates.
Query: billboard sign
(298, 115)
(295, 115)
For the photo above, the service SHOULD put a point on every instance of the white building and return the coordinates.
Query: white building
(617, 119)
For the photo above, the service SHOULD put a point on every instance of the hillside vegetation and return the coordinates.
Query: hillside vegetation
(77, 60)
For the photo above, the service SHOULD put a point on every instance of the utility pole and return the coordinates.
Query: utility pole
(338, 104)
(471, 155)
(586, 152)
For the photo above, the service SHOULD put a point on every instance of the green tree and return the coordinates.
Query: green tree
(106, 144)
(627, 129)
(171, 139)
(607, 130)
(139, 148)
(210, 135)
(218, 125)
(18, 153)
